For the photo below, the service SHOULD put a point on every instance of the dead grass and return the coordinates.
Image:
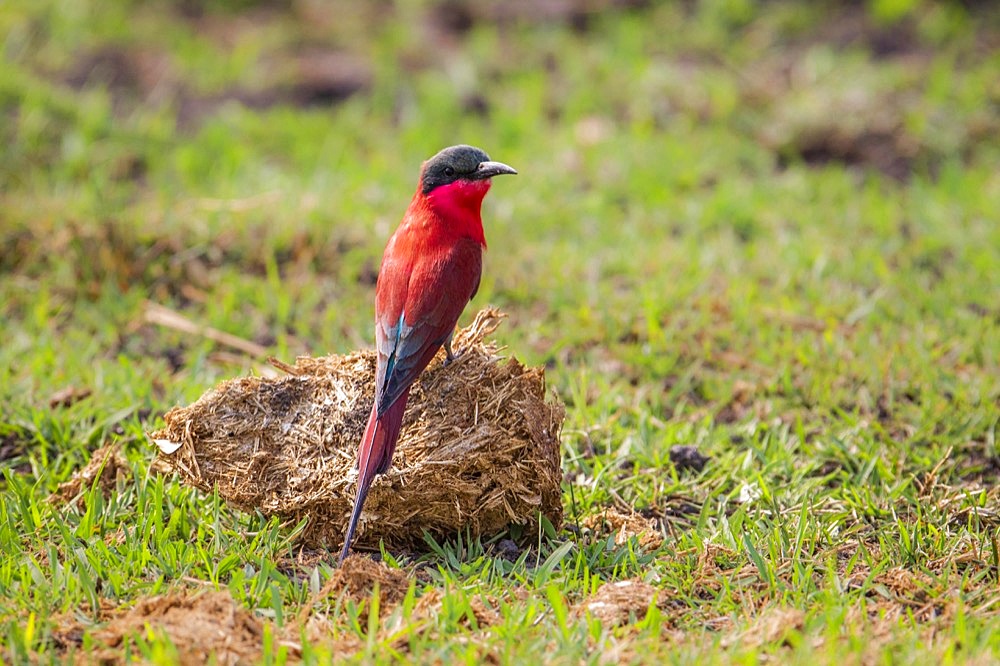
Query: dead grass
(479, 449)
(106, 466)
(620, 602)
(625, 526)
(200, 625)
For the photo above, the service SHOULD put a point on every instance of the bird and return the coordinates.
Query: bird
(430, 270)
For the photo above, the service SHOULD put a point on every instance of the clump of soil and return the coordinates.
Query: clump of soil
(357, 576)
(621, 602)
(107, 464)
(200, 627)
(479, 448)
(625, 526)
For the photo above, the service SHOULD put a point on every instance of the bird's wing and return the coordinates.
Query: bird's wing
(416, 312)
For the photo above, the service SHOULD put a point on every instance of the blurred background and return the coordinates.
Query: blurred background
(725, 208)
(756, 246)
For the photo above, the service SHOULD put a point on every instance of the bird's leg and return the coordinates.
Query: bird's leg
(449, 355)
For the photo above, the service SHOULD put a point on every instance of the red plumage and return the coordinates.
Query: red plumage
(430, 270)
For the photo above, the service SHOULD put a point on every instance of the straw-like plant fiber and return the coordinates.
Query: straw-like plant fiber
(479, 448)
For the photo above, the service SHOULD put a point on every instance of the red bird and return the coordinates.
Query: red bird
(430, 270)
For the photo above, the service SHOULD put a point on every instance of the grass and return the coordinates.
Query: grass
(769, 232)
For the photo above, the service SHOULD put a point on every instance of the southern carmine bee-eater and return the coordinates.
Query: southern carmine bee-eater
(430, 270)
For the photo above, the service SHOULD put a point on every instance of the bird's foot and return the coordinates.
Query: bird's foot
(449, 355)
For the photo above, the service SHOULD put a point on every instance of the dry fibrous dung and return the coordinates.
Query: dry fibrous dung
(479, 449)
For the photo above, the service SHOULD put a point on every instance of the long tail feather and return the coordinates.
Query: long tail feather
(374, 458)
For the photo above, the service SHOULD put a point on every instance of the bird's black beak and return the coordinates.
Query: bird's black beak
(489, 169)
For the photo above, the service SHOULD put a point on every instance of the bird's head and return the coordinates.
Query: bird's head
(460, 175)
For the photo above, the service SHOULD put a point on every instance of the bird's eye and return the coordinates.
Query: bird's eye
(448, 171)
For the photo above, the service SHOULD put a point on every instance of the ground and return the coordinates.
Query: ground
(754, 245)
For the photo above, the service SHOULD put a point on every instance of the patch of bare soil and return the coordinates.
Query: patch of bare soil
(978, 463)
(826, 118)
(13, 446)
(458, 17)
(688, 458)
(139, 75)
(861, 121)
(885, 147)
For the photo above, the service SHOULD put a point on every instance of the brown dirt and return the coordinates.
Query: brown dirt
(107, 465)
(688, 458)
(625, 526)
(142, 75)
(200, 625)
(457, 17)
(769, 627)
(13, 447)
(479, 449)
(621, 602)
(357, 577)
